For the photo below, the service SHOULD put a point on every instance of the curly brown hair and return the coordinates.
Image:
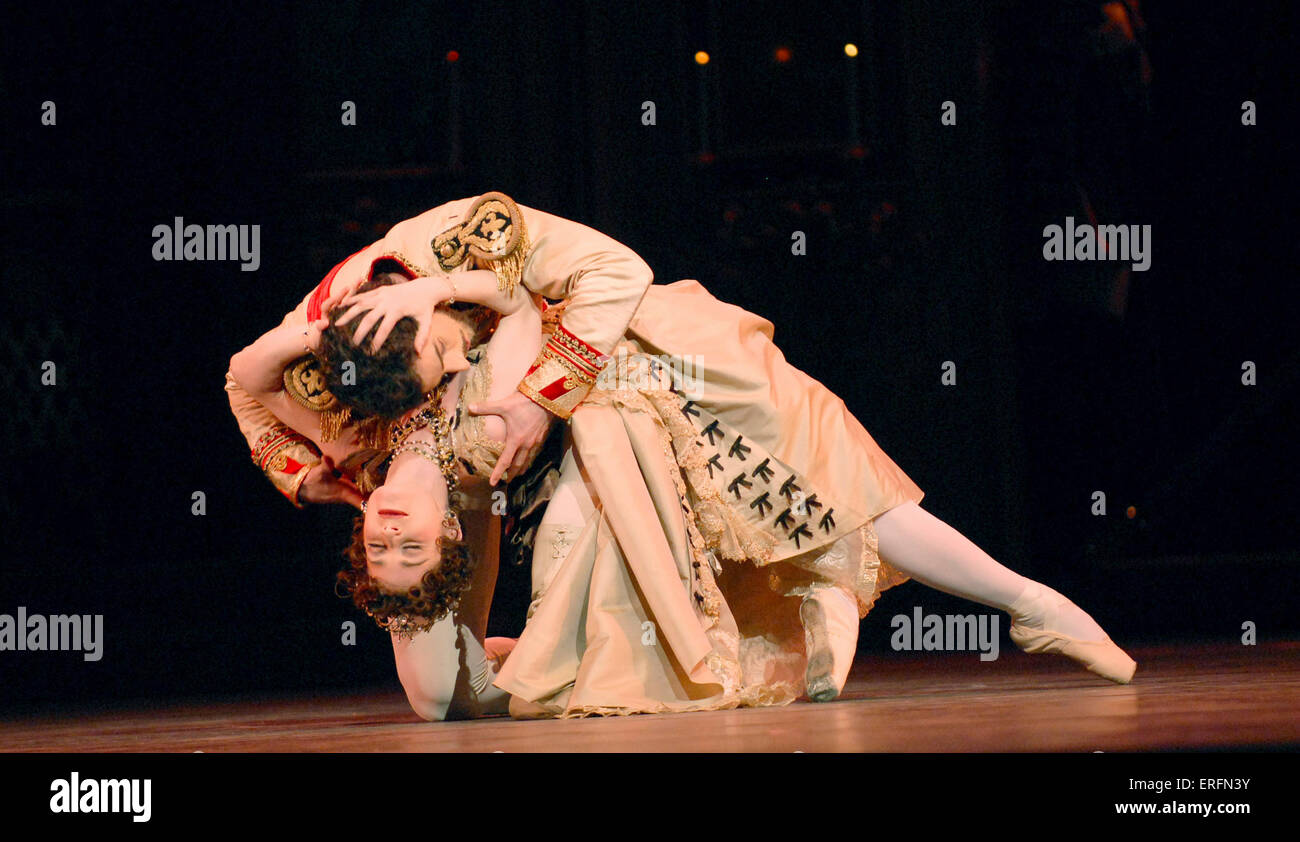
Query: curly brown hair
(438, 594)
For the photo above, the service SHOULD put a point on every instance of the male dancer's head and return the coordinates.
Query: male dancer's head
(393, 380)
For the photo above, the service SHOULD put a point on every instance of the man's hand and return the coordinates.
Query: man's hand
(324, 484)
(526, 425)
(388, 305)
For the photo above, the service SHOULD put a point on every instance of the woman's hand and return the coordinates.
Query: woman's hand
(388, 305)
(325, 484)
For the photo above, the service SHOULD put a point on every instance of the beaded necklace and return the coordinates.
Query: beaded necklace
(442, 453)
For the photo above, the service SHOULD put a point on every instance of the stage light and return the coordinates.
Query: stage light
(453, 56)
(851, 50)
(1131, 511)
(701, 58)
(782, 55)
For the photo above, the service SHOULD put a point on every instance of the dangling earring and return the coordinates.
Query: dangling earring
(451, 526)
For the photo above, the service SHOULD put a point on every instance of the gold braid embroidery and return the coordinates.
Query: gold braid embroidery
(305, 383)
(493, 235)
(510, 268)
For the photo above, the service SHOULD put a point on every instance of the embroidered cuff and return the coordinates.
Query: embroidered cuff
(285, 457)
(563, 373)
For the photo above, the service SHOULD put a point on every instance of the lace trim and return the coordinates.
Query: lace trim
(644, 402)
(864, 574)
(726, 532)
(774, 699)
(723, 530)
(773, 694)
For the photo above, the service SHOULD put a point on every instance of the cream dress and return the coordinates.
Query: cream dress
(713, 499)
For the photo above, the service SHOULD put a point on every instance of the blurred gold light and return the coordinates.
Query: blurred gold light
(782, 54)
(701, 57)
(850, 50)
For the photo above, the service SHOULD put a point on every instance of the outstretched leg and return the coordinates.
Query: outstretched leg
(932, 552)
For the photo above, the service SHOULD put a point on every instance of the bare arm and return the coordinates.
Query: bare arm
(418, 299)
(289, 459)
(259, 371)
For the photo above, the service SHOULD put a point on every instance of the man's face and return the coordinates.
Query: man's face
(444, 350)
(443, 353)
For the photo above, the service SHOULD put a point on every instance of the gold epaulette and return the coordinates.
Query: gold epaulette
(304, 381)
(493, 235)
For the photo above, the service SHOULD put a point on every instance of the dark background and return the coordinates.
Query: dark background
(924, 246)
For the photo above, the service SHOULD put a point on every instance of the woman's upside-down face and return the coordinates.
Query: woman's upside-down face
(401, 534)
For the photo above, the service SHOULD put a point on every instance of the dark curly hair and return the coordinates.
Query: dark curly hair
(438, 594)
(385, 383)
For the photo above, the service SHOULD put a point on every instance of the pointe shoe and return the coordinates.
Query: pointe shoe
(1030, 614)
(830, 624)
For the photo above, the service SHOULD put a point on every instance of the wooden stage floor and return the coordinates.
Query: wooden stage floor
(1188, 697)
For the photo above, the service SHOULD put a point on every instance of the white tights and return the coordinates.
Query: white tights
(932, 552)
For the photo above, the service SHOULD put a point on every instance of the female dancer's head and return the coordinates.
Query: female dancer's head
(393, 380)
(405, 567)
